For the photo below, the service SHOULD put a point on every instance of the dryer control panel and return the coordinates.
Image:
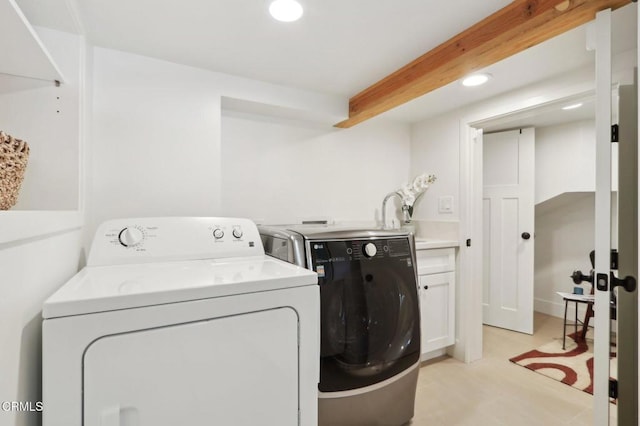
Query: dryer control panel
(143, 240)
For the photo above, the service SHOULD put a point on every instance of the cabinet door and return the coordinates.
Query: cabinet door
(437, 297)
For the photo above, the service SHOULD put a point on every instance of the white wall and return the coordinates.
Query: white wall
(31, 271)
(86, 153)
(156, 147)
(565, 221)
(565, 159)
(435, 148)
(155, 144)
(277, 171)
(565, 232)
(160, 148)
(565, 226)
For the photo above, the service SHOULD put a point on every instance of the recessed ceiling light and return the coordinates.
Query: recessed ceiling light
(573, 106)
(285, 10)
(476, 80)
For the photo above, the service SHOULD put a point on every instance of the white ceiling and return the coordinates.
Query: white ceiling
(547, 115)
(339, 46)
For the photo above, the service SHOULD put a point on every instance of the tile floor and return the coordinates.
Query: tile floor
(495, 392)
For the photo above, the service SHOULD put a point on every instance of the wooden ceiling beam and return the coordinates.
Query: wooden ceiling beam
(514, 28)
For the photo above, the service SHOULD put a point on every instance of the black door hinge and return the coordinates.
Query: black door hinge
(615, 129)
(613, 388)
(614, 259)
(468, 242)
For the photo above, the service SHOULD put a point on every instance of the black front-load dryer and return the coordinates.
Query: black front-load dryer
(370, 323)
(370, 320)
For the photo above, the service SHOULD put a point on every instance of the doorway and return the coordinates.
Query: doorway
(563, 194)
(574, 199)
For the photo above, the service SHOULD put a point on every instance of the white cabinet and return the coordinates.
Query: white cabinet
(436, 274)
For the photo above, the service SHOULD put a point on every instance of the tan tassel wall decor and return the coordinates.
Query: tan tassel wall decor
(14, 154)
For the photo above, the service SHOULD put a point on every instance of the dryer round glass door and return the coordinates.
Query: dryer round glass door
(370, 321)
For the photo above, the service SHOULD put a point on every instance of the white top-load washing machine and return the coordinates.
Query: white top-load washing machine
(182, 321)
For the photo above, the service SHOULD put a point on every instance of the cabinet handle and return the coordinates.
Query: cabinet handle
(426, 287)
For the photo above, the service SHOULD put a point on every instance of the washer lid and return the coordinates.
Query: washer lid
(108, 288)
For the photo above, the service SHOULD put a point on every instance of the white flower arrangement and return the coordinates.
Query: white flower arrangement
(408, 194)
(412, 191)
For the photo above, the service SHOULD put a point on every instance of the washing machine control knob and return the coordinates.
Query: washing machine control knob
(370, 250)
(237, 232)
(218, 233)
(130, 237)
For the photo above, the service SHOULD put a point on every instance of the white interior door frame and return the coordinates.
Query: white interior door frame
(602, 332)
(468, 347)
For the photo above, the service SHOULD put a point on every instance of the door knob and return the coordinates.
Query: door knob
(526, 235)
(578, 277)
(426, 287)
(628, 283)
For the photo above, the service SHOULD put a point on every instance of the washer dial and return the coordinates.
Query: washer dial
(130, 237)
(370, 250)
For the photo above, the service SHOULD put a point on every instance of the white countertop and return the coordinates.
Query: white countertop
(428, 243)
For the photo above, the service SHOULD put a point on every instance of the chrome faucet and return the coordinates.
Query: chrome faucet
(384, 208)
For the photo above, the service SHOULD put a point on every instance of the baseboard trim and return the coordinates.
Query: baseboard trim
(433, 354)
(556, 308)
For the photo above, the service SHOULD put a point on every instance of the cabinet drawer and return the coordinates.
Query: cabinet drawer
(433, 261)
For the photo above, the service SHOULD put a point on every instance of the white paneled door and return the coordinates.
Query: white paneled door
(624, 218)
(508, 226)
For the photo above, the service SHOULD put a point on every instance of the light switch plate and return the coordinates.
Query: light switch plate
(445, 204)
